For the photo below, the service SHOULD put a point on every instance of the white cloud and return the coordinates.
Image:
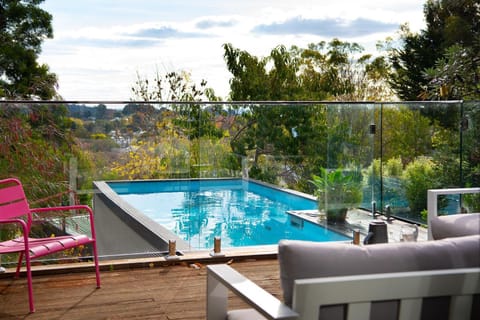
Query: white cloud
(100, 45)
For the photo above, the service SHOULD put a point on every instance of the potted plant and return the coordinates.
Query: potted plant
(337, 191)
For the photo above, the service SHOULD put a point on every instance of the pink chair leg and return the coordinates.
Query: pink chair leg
(97, 267)
(19, 265)
(30, 285)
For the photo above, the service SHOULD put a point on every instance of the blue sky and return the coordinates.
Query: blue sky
(99, 46)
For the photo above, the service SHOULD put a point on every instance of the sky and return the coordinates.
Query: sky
(100, 46)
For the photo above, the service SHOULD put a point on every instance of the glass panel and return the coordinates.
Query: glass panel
(350, 136)
(394, 151)
(470, 154)
(419, 151)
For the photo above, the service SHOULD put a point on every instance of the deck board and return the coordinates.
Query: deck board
(160, 292)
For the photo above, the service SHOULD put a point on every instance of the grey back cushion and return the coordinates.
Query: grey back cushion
(455, 225)
(303, 259)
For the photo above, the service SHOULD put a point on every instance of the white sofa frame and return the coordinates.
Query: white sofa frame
(432, 202)
(355, 291)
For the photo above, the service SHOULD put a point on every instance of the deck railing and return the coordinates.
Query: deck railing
(401, 148)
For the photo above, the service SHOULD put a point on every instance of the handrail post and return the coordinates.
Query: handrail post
(72, 181)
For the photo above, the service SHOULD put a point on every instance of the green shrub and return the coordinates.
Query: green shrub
(472, 202)
(418, 177)
(394, 167)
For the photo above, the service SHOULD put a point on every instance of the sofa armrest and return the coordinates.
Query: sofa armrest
(404, 290)
(221, 278)
(432, 195)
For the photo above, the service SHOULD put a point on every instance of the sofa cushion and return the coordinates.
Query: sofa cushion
(244, 314)
(303, 259)
(455, 225)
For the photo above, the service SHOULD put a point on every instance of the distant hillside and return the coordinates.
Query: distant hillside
(85, 112)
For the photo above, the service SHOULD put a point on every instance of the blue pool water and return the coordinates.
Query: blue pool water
(242, 213)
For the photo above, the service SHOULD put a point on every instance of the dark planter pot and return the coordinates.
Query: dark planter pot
(337, 215)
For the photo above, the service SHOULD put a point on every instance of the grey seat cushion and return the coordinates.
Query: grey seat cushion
(244, 314)
(302, 259)
(455, 225)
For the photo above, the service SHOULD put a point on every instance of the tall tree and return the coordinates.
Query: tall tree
(441, 61)
(323, 71)
(249, 82)
(339, 71)
(23, 27)
(194, 119)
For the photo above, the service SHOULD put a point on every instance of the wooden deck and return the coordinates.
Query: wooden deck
(147, 289)
(151, 292)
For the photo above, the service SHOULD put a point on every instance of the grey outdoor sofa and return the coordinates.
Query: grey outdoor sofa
(381, 281)
(305, 263)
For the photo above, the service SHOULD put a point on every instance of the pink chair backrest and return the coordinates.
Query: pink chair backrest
(13, 202)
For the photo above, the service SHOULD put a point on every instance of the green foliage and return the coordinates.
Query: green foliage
(99, 136)
(406, 134)
(424, 214)
(322, 71)
(266, 169)
(394, 167)
(374, 171)
(177, 157)
(454, 76)
(471, 143)
(249, 78)
(296, 133)
(181, 140)
(338, 189)
(35, 148)
(23, 27)
(195, 120)
(171, 86)
(409, 62)
(147, 162)
(419, 176)
(472, 202)
(442, 61)
(339, 72)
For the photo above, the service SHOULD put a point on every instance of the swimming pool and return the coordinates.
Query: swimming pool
(242, 213)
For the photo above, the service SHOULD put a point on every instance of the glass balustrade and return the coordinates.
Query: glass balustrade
(388, 154)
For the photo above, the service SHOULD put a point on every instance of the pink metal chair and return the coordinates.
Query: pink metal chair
(14, 209)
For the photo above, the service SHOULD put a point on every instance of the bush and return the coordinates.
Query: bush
(394, 167)
(472, 202)
(418, 177)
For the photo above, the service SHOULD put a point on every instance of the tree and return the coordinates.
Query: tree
(100, 111)
(408, 135)
(337, 71)
(195, 120)
(23, 27)
(295, 133)
(179, 140)
(267, 131)
(443, 58)
(322, 71)
(455, 76)
(35, 147)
